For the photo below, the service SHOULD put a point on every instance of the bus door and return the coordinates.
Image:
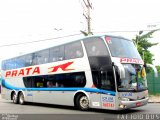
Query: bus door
(107, 83)
(102, 71)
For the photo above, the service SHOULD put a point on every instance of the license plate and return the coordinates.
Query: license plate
(138, 104)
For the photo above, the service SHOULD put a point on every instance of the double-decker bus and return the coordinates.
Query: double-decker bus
(104, 72)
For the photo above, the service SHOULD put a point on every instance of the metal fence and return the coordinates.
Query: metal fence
(153, 83)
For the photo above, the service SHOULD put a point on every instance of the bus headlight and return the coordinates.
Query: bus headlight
(122, 106)
(124, 99)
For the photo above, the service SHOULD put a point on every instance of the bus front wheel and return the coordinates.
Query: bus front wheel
(82, 102)
(21, 98)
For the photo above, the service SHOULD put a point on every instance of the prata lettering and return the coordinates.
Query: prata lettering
(36, 70)
(23, 72)
(131, 60)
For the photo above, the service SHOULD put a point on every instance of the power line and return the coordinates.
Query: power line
(122, 31)
(67, 36)
(39, 40)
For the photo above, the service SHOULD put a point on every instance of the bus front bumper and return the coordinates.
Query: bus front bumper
(133, 104)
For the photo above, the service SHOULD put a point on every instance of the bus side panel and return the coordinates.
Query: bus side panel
(28, 96)
(54, 97)
(95, 101)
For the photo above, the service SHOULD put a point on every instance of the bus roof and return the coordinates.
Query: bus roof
(69, 41)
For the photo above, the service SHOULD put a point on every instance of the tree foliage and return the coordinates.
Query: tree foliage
(158, 69)
(142, 43)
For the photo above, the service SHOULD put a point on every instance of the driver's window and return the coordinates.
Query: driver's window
(107, 80)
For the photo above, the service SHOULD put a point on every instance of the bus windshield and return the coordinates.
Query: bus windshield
(135, 78)
(120, 47)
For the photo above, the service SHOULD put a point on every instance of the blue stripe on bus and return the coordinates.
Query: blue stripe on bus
(8, 86)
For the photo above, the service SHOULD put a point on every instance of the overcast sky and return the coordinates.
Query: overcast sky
(33, 20)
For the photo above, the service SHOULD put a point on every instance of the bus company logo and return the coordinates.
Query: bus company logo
(107, 99)
(36, 70)
(127, 94)
(63, 67)
(131, 60)
(108, 105)
(23, 72)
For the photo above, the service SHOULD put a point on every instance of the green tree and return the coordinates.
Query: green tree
(158, 68)
(142, 43)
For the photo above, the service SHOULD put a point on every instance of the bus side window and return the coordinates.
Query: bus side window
(73, 50)
(56, 54)
(39, 84)
(79, 80)
(79, 53)
(76, 79)
(96, 78)
(42, 56)
(107, 80)
(28, 60)
(95, 47)
(51, 84)
(34, 59)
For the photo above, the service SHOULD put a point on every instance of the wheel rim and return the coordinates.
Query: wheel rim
(14, 98)
(21, 99)
(84, 102)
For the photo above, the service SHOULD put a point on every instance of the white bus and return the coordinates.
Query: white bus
(104, 72)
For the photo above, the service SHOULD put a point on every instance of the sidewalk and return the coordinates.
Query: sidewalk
(154, 99)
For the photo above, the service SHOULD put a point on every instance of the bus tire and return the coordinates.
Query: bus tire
(14, 98)
(82, 102)
(21, 98)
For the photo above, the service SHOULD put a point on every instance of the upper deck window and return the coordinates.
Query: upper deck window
(120, 47)
(58, 53)
(73, 50)
(95, 47)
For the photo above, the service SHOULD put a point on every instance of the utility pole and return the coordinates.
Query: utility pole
(87, 6)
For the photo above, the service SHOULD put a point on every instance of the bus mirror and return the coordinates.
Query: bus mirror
(120, 70)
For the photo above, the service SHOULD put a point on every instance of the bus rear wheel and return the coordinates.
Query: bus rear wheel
(82, 102)
(21, 99)
(14, 98)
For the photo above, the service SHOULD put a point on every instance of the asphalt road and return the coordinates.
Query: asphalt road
(10, 111)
